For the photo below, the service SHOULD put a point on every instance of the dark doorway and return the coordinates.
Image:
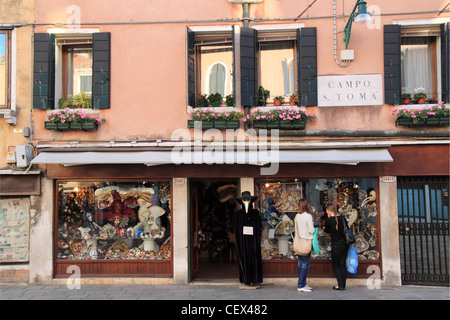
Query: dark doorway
(213, 203)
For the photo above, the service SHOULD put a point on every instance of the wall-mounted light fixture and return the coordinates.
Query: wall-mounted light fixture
(361, 17)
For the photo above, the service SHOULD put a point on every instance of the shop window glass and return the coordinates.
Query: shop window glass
(356, 199)
(114, 221)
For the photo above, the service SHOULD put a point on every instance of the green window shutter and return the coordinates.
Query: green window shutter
(249, 68)
(392, 64)
(445, 62)
(191, 67)
(44, 71)
(307, 66)
(101, 70)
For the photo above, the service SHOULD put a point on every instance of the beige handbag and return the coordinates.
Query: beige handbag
(302, 247)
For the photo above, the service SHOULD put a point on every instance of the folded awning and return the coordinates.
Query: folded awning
(180, 156)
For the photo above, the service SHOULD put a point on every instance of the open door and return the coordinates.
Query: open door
(212, 206)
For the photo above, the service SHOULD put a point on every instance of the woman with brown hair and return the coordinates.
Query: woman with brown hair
(339, 248)
(304, 227)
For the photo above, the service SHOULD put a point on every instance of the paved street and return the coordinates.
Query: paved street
(218, 292)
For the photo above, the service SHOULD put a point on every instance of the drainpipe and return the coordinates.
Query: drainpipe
(245, 17)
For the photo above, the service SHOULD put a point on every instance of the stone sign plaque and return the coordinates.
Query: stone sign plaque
(350, 90)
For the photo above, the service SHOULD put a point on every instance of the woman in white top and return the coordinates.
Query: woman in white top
(305, 230)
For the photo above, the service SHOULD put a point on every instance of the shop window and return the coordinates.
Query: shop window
(356, 199)
(114, 221)
(4, 68)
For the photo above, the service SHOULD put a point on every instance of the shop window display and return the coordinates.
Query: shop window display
(114, 221)
(356, 199)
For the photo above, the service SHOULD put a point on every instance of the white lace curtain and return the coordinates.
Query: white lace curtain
(417, 65)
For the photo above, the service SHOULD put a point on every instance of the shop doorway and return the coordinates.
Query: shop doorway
(212, 204)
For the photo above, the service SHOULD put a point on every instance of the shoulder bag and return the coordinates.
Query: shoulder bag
(348, 234)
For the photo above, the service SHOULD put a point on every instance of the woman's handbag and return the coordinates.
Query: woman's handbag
(302, 247)
(348, 234)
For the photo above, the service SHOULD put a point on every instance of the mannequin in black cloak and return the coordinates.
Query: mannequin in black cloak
(248, 241)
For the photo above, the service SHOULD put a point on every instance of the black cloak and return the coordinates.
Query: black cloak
(248, 247)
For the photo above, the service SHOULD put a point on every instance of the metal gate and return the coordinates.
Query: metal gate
(424, 230)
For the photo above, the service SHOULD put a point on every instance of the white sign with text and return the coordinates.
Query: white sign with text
(350, 90)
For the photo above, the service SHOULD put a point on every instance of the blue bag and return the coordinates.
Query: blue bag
(315, 243)
(352, 260)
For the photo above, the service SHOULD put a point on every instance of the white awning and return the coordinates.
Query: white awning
(180, 156)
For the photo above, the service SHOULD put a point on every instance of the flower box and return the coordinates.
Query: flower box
(430, 122)
(87, 126)
(218, 124)
(282, 125)
(422, 116)
(72, 119)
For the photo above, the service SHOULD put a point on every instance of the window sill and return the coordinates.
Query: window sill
(9, 115)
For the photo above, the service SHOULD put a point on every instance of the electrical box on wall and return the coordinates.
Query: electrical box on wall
(347, 55)
(11, 157)
(22, 158)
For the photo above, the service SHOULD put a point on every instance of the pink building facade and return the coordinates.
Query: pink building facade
(144, 196)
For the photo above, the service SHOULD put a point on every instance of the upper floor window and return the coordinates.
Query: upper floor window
(277, 66)
(420, 70)
(211, 61)
(4, 68)
(72, 65)
(75, 67)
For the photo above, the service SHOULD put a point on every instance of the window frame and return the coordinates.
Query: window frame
(392, 57)
(436, 73)
(44, 85)
(8, 67)
(281, 36)
(63, 43)
(197, 36)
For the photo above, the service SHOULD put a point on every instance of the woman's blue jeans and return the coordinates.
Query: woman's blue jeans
(303, 268)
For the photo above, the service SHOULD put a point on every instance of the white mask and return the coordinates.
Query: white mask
(246, 204)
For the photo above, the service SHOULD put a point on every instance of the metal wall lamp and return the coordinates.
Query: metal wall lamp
(361, 18)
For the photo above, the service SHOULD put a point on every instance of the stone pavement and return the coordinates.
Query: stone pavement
(202, 291)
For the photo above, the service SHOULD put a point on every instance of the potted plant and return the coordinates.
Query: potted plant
(406, 98)
(263, 95)
(280, 118)
(202, 101)
(215, 119)
(82, 100)
(420, 95)
(278, 100)
(215, 99)
(229, 100)
(293, 99)
(428, 116)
